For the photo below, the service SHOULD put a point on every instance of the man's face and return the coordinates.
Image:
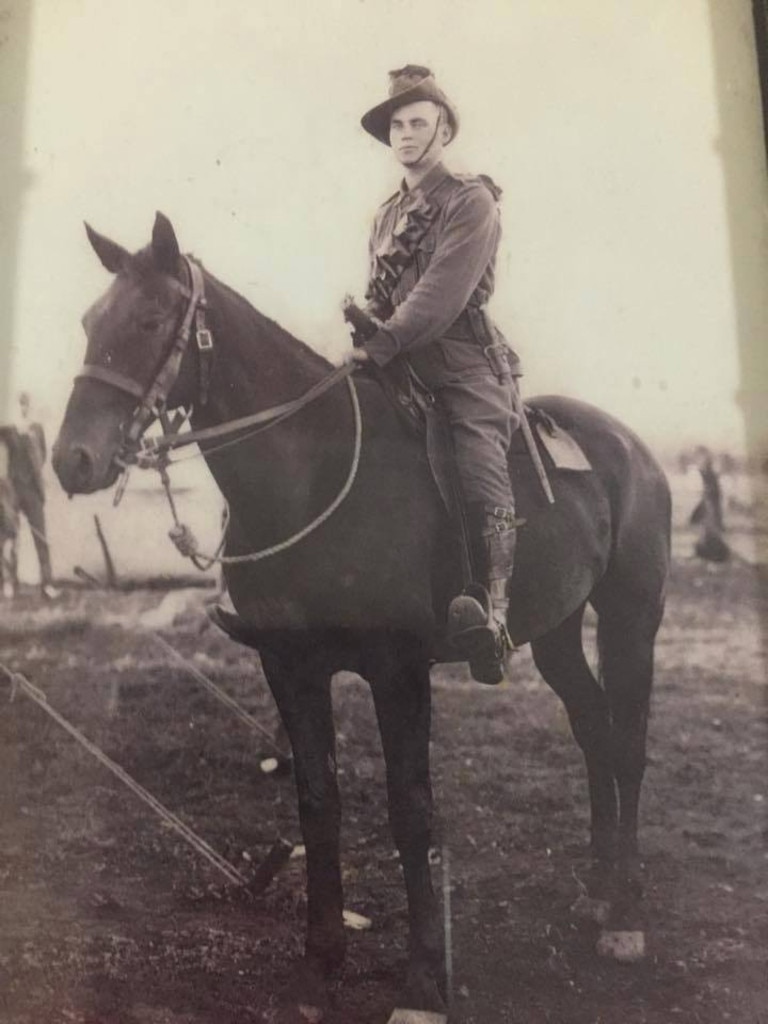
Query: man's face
(411, 131)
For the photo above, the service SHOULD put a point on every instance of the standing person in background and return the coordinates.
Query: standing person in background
(28, 455)
(9, 516)
(708, 514)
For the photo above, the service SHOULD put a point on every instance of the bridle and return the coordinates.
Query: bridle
(152, 453)
(152, 399)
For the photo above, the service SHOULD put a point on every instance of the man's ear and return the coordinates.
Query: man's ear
(113, 256)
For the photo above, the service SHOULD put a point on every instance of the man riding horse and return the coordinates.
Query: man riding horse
(433, 250)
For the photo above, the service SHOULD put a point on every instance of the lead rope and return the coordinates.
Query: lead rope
(186, 542)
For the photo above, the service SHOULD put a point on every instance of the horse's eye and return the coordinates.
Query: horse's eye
(151, 324)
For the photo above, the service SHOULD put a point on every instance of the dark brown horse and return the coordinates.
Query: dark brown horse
(366, 590)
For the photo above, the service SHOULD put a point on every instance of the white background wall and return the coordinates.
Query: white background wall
(240, 120)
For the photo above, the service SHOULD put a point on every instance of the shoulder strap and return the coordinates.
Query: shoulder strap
(482, 179)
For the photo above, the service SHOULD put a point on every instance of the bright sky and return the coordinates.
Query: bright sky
(240, 121)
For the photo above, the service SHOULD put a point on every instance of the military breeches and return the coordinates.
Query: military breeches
(483, 419)
(33, 507)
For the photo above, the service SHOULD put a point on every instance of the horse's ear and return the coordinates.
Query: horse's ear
(112, 255)
(164, 245)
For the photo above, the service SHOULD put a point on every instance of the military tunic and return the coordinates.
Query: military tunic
(436, 316)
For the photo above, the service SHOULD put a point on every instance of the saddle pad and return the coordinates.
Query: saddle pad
(563, 449)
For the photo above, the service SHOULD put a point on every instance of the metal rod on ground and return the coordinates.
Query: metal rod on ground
(447, 923)
(218, 693)
(20, 682)
(108, 563)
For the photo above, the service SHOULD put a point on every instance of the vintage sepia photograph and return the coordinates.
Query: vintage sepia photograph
(383, 512)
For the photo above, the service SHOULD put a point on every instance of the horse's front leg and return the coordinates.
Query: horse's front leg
(300, 683)
(398, 670)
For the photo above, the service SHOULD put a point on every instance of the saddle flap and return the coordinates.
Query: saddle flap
(562, 448)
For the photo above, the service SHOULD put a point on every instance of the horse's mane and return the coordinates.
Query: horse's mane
(143, 265)
(264, 323)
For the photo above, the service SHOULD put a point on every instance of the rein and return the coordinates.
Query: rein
(266, 417)
(185, 541)
(153, 453)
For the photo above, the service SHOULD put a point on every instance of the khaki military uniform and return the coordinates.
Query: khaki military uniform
(433, 252)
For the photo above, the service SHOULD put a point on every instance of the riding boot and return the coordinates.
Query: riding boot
(477, 618)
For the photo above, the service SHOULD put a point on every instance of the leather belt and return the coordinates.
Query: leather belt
(463, 328)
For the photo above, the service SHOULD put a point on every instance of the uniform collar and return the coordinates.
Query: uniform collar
(428, 183)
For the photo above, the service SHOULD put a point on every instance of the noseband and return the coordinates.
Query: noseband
(152, 399)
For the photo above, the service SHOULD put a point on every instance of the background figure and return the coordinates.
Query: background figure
(9, 517)
(708, 514)
(27, 457)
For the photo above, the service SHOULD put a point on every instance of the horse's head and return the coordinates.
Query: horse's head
(132, 331)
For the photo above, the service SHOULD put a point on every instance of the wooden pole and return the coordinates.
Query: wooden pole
(108, 563)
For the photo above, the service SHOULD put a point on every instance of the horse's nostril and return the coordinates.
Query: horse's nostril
(82, 466)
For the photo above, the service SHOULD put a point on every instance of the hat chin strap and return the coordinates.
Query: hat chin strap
(430, 144)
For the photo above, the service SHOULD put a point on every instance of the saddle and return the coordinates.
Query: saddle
(421, 416)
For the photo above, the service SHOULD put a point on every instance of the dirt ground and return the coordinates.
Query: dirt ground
(108, 918)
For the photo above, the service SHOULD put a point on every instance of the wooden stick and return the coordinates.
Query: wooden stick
(109, 564)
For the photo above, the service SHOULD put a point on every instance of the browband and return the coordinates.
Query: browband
(112, 377)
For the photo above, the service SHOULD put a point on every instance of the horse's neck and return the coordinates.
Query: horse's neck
(256, 363)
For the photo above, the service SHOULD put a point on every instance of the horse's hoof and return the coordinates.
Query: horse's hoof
(624, 947)
(306, 998)
(587, 908)
(400, 1016)
(299, 1013)
(278, 766)
(311, 1014)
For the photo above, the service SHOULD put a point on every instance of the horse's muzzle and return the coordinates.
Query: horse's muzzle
(76, 467)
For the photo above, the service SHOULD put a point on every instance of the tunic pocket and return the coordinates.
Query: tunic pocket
(422, 254)
(424, 250)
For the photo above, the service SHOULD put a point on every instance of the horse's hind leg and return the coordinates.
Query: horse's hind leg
(625, 643)
(300, 680)
(398, 671)
(627, 626)
(559, 656)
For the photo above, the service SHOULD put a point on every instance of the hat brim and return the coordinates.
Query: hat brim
(377, 120)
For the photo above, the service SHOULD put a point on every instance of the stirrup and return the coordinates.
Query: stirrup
(477, 636)
(231, 624)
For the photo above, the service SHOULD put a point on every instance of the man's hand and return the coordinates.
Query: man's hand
(356, 355)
